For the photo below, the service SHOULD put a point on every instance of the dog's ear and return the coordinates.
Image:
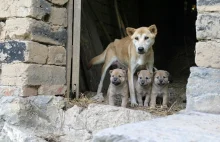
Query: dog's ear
(110, 72)
(170, 79)
(153, 29)
(130, 31)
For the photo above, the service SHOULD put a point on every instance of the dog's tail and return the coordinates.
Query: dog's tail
(98, 59)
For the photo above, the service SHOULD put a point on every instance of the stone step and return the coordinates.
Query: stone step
(182, 127)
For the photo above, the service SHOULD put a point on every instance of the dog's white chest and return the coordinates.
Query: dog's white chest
(141, 61)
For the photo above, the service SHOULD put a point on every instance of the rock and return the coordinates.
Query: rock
(96, 117)
(32, 74)
(24, 51)
(24, 8)
(42, 118)
(58, 17)
(208, 26)
(32, 118)
(52, 90)
(208, 6)
(57, 55)
(58, 2)
(181, 127)
(18, 91)
(207, 54)
(203, 91)
(31, 29)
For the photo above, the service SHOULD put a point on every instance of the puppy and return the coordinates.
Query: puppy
(160, 87)
(143, 87)
(118, 86)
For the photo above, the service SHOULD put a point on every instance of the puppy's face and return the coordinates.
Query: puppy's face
(161, 77)
(144, 77)
(118, 76)
(143, 38)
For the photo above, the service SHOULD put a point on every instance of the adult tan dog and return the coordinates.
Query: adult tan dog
(118, 86)
(133, 51)
(143, 87)
(160, 87)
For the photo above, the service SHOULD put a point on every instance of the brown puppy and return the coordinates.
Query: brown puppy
(143, 87)
(118, 86)
(133, 51)
(160, 87)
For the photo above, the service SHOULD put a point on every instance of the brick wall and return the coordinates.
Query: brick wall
(32, 47)
(203, 88)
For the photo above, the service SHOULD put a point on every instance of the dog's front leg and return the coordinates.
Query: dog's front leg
(153, 100)
(131, 87)
(150, 66)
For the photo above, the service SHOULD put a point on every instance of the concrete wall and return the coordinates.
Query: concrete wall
(32, 47)
(203, 93)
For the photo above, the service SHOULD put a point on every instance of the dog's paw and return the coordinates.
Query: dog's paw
(134, 104)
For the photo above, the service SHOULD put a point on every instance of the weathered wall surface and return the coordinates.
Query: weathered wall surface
(32, 47)
(203, 92)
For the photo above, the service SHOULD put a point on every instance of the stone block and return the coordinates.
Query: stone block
(208, 5)
(58, 17)
(207, 54)
(24, 8)
(203, 91)
(24, 51)
(56, 55)
(52, 90)
(208, 26)
(18, 91)
(58, 2)
(32, 74)
(31, 29)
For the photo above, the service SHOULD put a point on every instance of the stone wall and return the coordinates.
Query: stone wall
(203, 93)
(32, 47)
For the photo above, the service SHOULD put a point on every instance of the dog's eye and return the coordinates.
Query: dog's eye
(164, 77)
(146, 37)
(140, 77)
(157, 77)
(113, 76)
(136, 38)
(119, 76)
(146, 77)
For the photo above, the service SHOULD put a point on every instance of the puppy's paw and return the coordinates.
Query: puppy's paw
(152, 107)
(164, 107)
(140, 105)
(146, 105)
(134, 104)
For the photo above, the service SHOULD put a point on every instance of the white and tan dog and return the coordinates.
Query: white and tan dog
(118, 86)
(143, 87)
(160, 87)
(133, 51)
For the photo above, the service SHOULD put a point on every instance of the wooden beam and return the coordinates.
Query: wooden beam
(76, 47)
(69, 46)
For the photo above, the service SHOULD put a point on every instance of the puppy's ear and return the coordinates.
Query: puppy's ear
(170, 79)
(153, 29)
(110, 72)
(130, 31)
(138, 73)
(124, 71)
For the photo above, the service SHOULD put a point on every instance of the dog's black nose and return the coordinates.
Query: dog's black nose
(140, 49)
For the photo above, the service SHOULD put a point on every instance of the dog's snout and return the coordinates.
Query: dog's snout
(115, 79)
(161, 80)
(140, 49)
(142, 82)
